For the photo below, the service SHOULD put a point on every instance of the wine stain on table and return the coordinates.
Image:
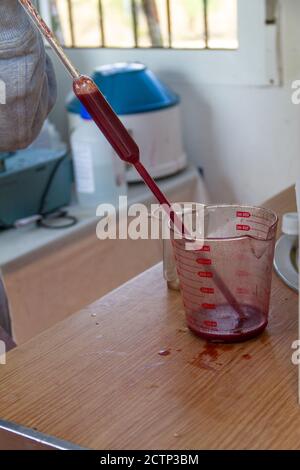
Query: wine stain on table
(209, 357)
(206, 358)
(247, 357)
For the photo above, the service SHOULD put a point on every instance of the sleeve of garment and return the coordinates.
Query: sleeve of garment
(27, 80)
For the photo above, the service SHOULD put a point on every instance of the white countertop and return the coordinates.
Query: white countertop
(18, 244)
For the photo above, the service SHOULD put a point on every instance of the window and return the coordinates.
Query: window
(176, 24)
(222, 42)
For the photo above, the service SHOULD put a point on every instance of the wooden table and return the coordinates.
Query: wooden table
(96, 379)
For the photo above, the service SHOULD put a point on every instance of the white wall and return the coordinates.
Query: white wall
(247, 139)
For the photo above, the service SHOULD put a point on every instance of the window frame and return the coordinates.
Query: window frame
(255, 62)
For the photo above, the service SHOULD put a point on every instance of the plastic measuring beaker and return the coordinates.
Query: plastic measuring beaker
(235, 248)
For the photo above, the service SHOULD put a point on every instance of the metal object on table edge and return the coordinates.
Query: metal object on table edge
(284, 266)
(25, 438)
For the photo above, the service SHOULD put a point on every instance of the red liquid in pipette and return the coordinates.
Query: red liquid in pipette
(106, 119)
(113, 129)
(118, 136)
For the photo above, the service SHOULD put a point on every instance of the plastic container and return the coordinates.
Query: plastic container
(233, 256)
(100, 176)
(148, 109)
(130, 88)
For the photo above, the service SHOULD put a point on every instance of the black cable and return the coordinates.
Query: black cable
(48, 185)
(71, 220)
(63, 214)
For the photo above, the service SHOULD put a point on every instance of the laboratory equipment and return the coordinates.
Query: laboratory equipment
(149, 109)
(47, 172)
(236, 245)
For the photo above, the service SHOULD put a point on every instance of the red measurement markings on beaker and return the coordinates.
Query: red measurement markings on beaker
(210, 323)
(205, 248)
(243, 227)
(207, 290)
(206, 274)
(243, 215)
(204, 261)
(259, 221)
(209, 306)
